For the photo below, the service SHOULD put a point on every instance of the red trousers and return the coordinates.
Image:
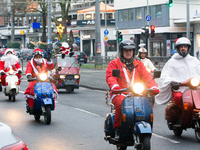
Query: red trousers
(3, 79)
(177, 97)
(117, 101)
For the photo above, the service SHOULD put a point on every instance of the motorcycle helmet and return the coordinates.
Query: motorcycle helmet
(183, 41)
(142, 50)
(37, 51)
(126, 44)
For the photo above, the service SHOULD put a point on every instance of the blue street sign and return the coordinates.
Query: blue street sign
(106, 32)
(77, 40)
(148, 18)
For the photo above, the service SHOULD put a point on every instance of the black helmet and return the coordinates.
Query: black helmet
(183, 41)
(126, 44)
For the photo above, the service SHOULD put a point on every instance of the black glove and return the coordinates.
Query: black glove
(29, 78)
(175, 85)
(19, 72)
(2, 73)
(49, 56)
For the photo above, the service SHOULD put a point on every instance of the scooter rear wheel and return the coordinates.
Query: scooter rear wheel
(197, 130)
(145, 141)
(13, 95)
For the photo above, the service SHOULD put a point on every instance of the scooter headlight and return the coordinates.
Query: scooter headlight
(76, 76)
(11, 71)
(62, 76)
(138, 88)
(43, 76)
(194, 82)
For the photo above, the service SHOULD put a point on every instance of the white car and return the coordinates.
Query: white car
(8, 140)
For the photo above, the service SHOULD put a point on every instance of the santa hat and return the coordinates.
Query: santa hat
(37, 51)
(8, 50)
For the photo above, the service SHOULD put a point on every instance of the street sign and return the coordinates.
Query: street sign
(106, 32)
(148, 18)
(106, 38)
(77, 40)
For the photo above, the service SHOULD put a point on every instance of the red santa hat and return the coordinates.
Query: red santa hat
(37, 51)
(8, 50)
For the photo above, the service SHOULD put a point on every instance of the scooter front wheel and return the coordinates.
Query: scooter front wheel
(47, 114)
(197, 130)
(145, 141)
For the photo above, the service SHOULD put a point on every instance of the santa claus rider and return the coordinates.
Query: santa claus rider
(9, 61)
(35, 65)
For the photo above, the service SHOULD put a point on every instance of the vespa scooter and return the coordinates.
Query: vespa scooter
(44, 101)
(12, 86)
(179, 119)
(137, 118)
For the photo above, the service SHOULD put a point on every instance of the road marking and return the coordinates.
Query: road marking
(87, 112)
(162, 137)
(21, 92)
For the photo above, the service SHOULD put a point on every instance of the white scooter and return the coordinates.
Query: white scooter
(12, 85)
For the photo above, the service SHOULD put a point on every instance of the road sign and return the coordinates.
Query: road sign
(106, 38)
(106, 32)
(77, 40)
(148, 18)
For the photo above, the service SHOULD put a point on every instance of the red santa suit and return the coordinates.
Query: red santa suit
(138, 74)
(8, 62)
(33, 71)
(65, 48)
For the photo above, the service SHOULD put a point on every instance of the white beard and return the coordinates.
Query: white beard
(9, 60)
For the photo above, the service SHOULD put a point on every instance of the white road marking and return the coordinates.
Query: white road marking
(21, 92)
(162, 137)
(87, 112)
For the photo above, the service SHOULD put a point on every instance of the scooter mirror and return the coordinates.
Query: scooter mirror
(157, 74)
(116, 73)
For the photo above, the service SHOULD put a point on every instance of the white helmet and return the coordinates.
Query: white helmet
(142, 50)
(183, 41)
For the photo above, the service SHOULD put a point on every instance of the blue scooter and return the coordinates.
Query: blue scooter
(137, 118)
(43, 98)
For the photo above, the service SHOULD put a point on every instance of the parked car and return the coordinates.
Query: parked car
(81, 56)
(2, 51)
(29, 55)
(8, 140)
(17, 52)
(25, 53)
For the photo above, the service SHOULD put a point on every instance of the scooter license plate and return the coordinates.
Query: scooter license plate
(47, 101)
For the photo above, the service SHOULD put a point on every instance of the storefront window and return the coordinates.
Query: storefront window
(125, 15)
(20, 21)
(138, 12)
(156, 49)
(30, 20)
(15, 22)
(109, 16)
(80, 16)
(6, 21)
(130, 14)
(34, 19)
(112, 46)
(158, 11)
(120, 16)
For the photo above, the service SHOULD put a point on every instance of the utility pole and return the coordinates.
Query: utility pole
(97, 33)
(188, 19)
(148, 29)
(49, 45)
(105, 29)
(12, 21)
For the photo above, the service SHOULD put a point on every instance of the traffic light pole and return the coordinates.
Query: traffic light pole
(148, 25)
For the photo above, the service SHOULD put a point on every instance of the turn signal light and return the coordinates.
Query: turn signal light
(185, 106)
(85, 56)
(124, 117)
(151, 117)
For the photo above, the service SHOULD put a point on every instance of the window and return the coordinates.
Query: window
(39, 19)
(80, 16)
(130, 14)
(30, 20)
(138, 12)
(34, 19)
(88, 16)
(109, 16)
(6, 21)
(20, 21)
(120, 16)
(15, 21)
(156, 49)
(125, 15)
(152, 11)
(158, 11)
(24, 20)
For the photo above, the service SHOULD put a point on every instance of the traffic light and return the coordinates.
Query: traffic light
(145, 31)
(152, 31)
(170, 3)
(119, 36)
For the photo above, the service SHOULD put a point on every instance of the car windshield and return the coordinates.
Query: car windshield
(66, 62)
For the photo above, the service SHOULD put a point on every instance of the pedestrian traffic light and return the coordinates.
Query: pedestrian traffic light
(170, 3)
(119, 36)
(152, 31)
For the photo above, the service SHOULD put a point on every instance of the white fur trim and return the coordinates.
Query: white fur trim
(154, 87)
(28, 74)
(9, 60)
(28, 96)
(49, 62)
(34, 69)
(2, 71)
(19, 69)
(115, 85)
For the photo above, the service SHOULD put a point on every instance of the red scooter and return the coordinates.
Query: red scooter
(179, 119)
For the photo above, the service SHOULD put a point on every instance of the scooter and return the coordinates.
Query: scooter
(12, 86)
(137, 118)
(179, 119)
(44, 101)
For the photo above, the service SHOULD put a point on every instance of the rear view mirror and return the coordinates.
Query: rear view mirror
(116, 73)
(59, 69)
(157, 74)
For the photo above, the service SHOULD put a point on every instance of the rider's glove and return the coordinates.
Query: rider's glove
(175, 85)
(19, 72)
(29, 77)
(154, 91)
(115, 89)
(2, 73)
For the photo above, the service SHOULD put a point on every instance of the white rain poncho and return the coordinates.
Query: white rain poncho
(148, 64)
(177, 69)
